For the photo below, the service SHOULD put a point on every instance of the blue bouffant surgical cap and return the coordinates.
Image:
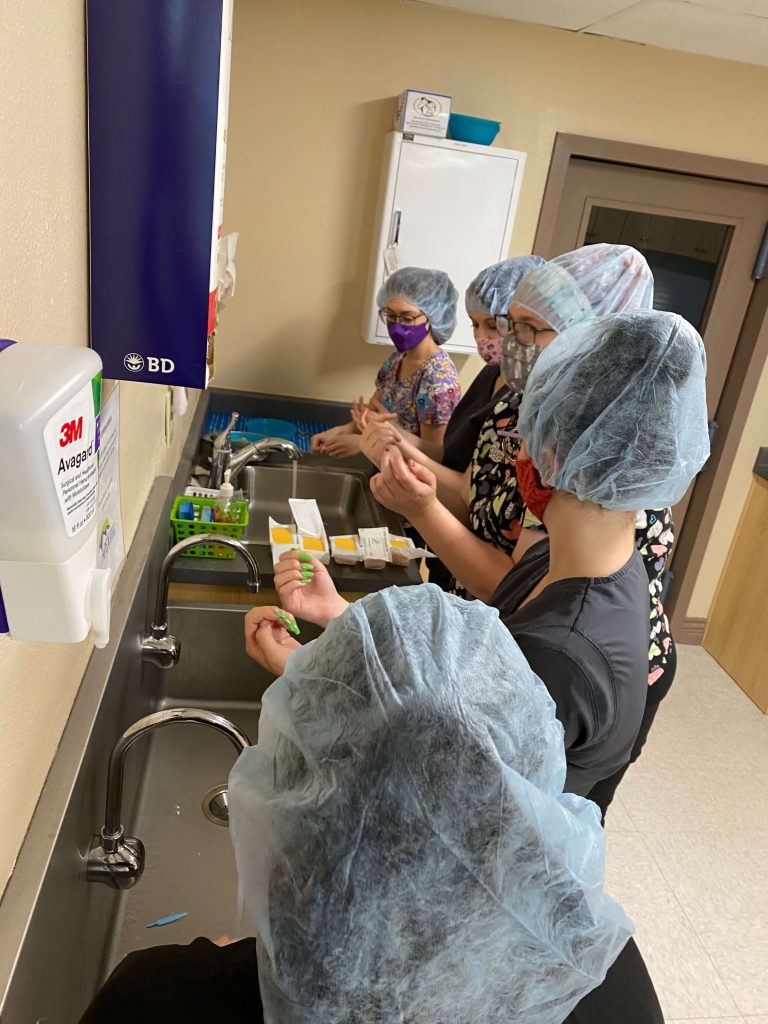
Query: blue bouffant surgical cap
(431, 291)
(492, 290)
(615, 410)
(594, 280)
(402, 839)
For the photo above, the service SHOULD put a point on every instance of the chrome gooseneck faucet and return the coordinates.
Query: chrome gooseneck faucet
(160, 647)
(258, 451)
(115, 859)
(225, 458)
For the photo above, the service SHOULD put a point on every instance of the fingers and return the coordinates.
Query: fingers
(376, 484)
(256, 616)
(288, 621)
(260, 627)
(268, 646)
(382, 492)
(294, 567)
(422, 474)
(398, 467)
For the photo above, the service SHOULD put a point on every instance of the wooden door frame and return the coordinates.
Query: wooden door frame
(749, 357)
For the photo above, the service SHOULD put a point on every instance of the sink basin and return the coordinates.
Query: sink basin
(343, 497)
(190, 866)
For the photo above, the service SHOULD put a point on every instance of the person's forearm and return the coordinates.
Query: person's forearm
(478, 565)
(327, 614)
(431, 449)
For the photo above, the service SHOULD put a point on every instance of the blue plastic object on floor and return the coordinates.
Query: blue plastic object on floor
(463, 128)
(254, 428)
(161, 921)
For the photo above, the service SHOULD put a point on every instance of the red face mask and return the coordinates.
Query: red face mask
(535, 494)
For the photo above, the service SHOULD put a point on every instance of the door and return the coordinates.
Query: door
(447, 205)
(700, 237)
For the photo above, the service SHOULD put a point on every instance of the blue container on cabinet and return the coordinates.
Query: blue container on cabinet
(478, 130)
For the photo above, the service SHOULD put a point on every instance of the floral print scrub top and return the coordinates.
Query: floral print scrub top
(496, 508)
(428, 395)
(654, 537)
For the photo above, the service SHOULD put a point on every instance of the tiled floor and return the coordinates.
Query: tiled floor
(688, 849)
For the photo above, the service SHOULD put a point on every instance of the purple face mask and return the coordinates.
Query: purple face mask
(404, 338)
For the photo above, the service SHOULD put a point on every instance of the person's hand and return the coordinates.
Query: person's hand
(358, 410)
(377, 408)
(407, 488)
(378, 434)
(318, 442)
(342, 446)
(268, 639)
(306, 589)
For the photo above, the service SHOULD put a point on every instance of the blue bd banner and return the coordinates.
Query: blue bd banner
(158, 80)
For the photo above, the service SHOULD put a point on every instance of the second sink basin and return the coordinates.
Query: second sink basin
(343, 497)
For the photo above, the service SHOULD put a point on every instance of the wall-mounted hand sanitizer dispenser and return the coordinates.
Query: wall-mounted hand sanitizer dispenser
(49, 450)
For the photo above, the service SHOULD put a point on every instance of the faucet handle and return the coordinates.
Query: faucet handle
(222, 439)
(119, 864)
(161, 648)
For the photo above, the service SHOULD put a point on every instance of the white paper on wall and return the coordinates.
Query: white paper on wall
(110, 524)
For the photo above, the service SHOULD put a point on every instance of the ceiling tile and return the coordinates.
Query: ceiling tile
(758, 8)
(692, 27)
(571, 14)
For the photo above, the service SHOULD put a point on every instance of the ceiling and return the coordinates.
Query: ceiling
(732, 29)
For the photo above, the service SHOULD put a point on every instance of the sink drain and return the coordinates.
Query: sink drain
(216, 806)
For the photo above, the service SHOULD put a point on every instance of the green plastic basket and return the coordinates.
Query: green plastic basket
(183, 528)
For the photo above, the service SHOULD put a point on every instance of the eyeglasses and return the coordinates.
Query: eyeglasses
(406, 319)
(524, 332)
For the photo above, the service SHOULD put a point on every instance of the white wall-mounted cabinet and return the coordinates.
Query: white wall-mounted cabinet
(446, 205)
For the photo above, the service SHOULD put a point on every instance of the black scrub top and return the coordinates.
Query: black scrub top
(587, 640)
(468, 417)
(196, 985)
(201, 983)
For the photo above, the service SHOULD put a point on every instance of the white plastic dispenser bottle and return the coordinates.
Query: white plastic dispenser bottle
(51, 587)
(223, 512)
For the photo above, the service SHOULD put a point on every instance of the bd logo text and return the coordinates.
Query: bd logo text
(135, 362)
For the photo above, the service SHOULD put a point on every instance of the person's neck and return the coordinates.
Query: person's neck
(586, 540)
(416, 356)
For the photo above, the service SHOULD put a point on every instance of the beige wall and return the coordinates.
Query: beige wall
(312, 89)
(43, 297)
(313, 83)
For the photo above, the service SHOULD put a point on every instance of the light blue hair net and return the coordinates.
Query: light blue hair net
(492, 290)
(591, 281)
(432, 291)
(401, 834)
(615, 410)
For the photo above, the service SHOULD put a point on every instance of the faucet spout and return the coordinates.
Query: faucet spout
(160, 647)
(258, 451)
(117, 859)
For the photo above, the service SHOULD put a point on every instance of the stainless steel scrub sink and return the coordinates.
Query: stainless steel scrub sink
(343, 496)
(190, 867)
